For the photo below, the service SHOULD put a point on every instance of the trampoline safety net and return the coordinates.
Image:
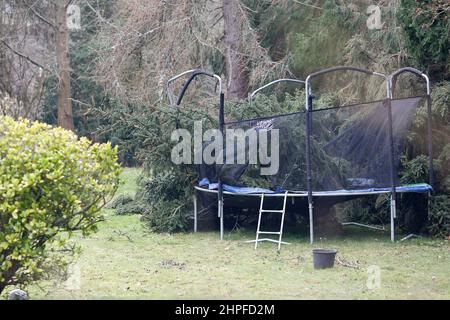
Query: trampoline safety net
(350, 148)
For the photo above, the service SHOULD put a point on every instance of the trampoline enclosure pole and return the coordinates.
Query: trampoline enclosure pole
(388, 105)
(429, 131)
(430, 147)
(220, 191)
(308, 161)
(430, 142)
(393, 214)
(193, 74)
(195, 211)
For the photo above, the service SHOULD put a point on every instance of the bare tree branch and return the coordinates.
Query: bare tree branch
(307, 4)
(42, 18)
(37, 64)
(68, 3)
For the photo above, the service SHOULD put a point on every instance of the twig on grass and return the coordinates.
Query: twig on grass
(348, 264)
(123, 234)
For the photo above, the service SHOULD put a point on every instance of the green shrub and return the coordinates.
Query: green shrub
(167, 216)
(134, 207)
(166, 200)
(163, 186)
(443, 170)
(51, 185)
(120, 201)
(415, 170)
(125, 204)
(368, 210)
(425, 25)
(439, 216)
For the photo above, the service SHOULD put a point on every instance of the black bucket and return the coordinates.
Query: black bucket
(324, 258)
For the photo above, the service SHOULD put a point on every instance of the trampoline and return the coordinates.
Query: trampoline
(326, 154)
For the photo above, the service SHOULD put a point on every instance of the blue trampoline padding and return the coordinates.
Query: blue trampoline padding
(233, 189)
(419, 188)
(241, 190)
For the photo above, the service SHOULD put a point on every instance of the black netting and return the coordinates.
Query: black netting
(291, 149)
(354, 142)
(350, 148)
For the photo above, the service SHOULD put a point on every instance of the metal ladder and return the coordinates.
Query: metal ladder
(279, 233)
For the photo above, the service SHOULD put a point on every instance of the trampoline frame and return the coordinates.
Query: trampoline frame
(309, 99)
(192, 75)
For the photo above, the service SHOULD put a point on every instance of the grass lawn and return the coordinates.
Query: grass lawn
(124, 260)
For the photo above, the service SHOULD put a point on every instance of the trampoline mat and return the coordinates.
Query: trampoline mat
(417, 188)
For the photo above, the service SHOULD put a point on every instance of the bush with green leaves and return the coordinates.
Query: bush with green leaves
(166, 197)
(52, 184)
(425, 25)
(167, 216)
(439, 217)
(120, 201)
(126, 204)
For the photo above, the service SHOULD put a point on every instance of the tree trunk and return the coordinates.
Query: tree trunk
(236, 62)
(65, 117)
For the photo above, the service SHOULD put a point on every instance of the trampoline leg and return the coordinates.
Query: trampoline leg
(221, 218)
(195, 212)
(311, 223)
(393, 216)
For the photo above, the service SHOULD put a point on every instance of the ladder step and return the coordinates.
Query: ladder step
(280, 233)
(266, 239)
(268, 232)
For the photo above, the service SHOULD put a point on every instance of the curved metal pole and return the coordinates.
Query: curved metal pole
(309, 109)
(335, 69)
(419, 73)
(192, 77)
(169, 92)
(343, 68)
(410, 70)
(194, 73)
(272, 83)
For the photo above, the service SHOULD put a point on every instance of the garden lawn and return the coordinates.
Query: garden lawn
(126, 261)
